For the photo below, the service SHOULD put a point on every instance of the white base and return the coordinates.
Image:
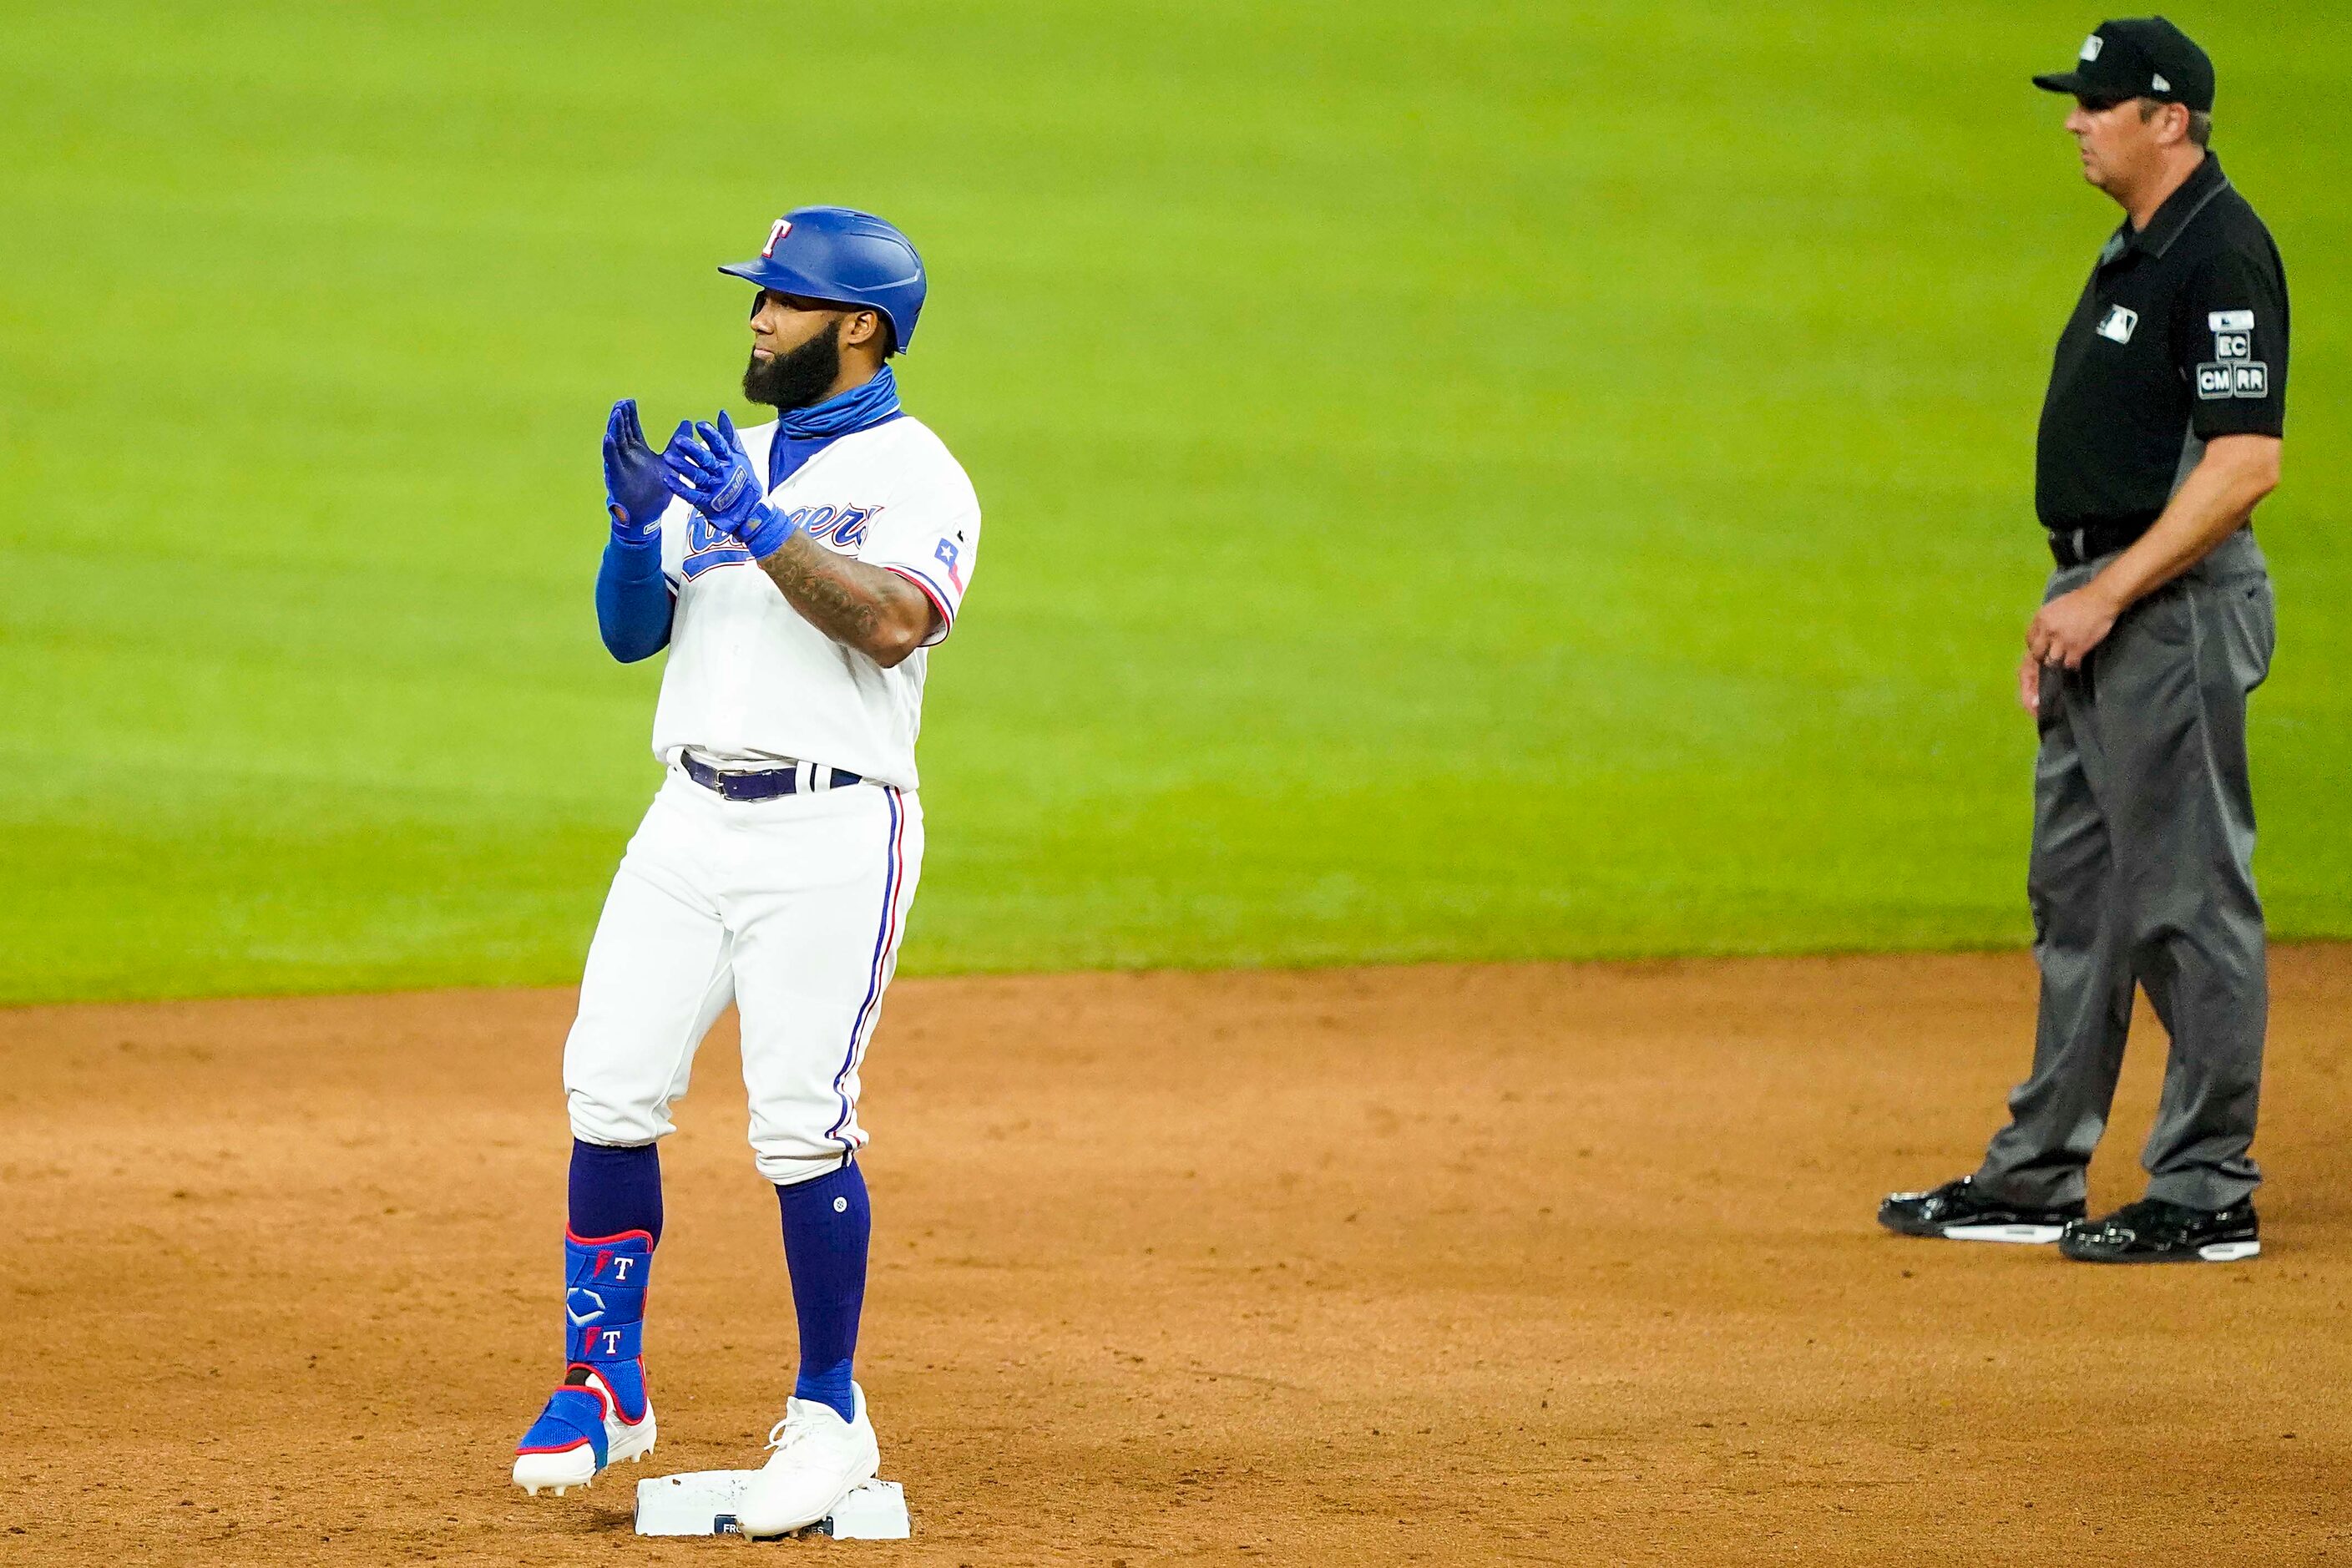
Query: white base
(702, 1502)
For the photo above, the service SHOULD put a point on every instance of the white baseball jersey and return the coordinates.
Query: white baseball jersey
(748, 681)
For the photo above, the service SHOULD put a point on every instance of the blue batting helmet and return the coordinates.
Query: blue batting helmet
(843, 257)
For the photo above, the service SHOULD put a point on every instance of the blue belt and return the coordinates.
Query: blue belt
(800, 779)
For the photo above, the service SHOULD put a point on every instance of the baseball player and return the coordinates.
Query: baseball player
(798, 571)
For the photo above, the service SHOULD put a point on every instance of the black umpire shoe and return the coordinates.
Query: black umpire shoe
(1958, 1212)
(2154, 1231)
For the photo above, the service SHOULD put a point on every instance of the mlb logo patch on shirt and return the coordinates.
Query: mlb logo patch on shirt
(2230, 320)
(2116, 325)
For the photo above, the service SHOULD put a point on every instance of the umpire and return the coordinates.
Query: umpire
(2159, 433)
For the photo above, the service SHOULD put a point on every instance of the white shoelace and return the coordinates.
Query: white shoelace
(783, 1434)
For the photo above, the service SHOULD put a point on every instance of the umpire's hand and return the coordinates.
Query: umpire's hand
(2062, 633)
(2069, 627)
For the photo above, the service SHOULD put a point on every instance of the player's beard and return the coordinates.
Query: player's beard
(797, 378)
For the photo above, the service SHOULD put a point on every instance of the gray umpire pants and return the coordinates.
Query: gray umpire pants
(2142, 871)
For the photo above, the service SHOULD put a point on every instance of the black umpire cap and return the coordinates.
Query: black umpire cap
(2139, 56)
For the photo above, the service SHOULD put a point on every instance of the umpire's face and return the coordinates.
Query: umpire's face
(2123, 141)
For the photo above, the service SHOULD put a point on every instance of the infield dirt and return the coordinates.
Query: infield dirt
(1555, 1263)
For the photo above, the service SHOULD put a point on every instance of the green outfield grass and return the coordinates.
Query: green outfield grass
(1462, 482)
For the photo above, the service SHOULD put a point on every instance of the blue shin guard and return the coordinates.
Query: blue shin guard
(604, 1313)
(602, 1413)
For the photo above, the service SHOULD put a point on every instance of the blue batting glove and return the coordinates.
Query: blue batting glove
(712, 472)
(633, 491)
(707, 465)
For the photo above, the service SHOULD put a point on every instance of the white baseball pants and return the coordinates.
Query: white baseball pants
(789, 908)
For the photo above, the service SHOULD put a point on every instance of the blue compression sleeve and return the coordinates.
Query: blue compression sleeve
(632, 600)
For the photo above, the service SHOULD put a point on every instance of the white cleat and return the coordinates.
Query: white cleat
(574, 1464)
(819, 1459)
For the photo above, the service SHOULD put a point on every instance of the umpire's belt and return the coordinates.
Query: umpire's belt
(801, 778)
(2074, 546)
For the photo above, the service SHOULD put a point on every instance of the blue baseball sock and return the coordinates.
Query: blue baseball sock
(615, 1191)
(828, 1224)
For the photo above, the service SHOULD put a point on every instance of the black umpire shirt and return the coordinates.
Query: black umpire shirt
(2180, 336)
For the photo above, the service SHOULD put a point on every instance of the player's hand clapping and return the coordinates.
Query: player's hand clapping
(707, 466)
(633, 491)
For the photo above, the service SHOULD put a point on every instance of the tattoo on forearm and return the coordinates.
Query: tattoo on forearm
(848, 601)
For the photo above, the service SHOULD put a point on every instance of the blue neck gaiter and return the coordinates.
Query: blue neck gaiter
(802, 432)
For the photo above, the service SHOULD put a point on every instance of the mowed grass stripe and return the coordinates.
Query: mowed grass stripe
(1462, 481)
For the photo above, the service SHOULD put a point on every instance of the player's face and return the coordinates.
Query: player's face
(795, 352)
(782, 323)
(2118, 147)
